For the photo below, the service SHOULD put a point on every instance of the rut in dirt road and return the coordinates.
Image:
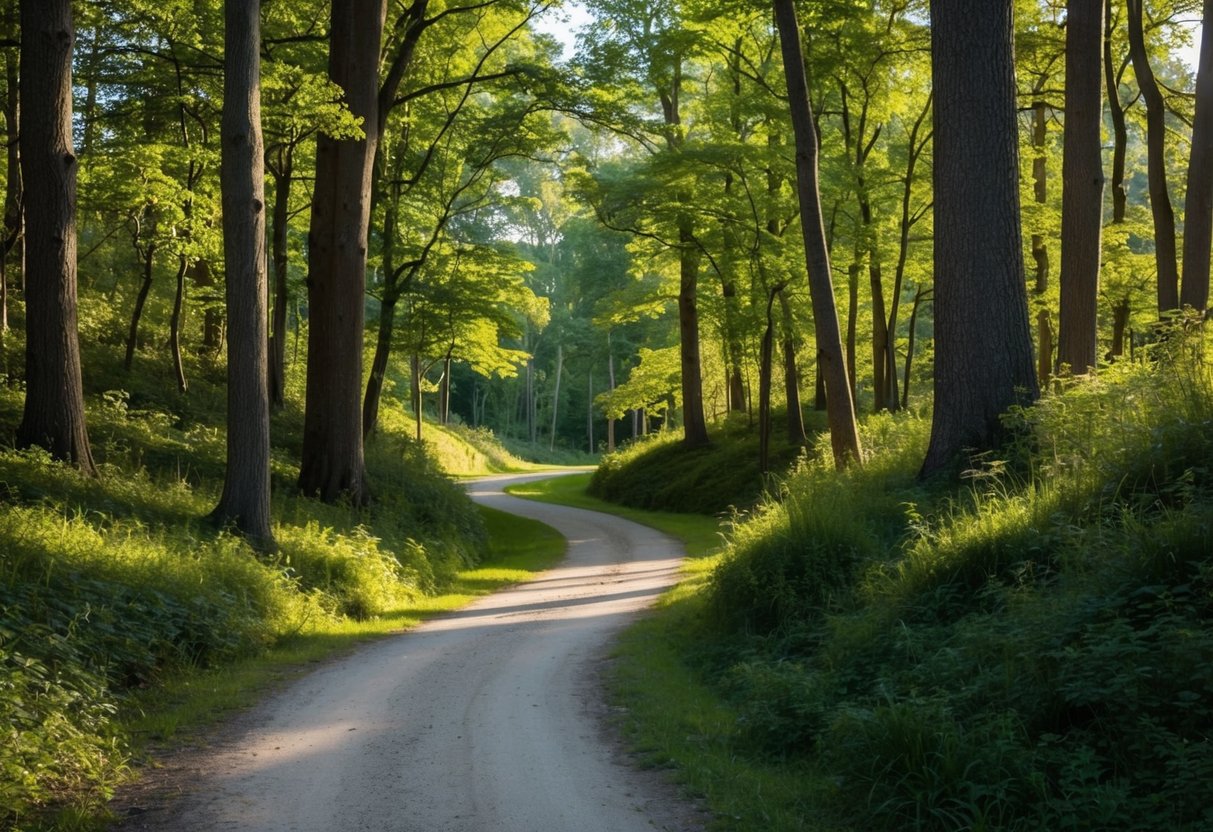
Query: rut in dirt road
(488, 719)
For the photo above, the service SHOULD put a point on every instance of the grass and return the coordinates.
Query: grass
(518, 549)
(1028, 648)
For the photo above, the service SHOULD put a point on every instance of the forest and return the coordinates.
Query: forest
(909, 297)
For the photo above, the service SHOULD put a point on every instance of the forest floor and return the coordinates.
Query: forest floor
(491, 718)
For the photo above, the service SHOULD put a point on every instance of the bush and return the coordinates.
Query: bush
(1029, 649)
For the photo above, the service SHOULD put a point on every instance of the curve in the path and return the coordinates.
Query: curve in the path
(488, 719)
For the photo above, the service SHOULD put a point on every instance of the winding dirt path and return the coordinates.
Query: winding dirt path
(490, 719)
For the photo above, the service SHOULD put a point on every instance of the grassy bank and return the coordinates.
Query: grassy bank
(1027, 649)
(126, 619)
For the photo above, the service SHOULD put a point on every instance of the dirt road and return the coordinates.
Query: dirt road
(488, 719)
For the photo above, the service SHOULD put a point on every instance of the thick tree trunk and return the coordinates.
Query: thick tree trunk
(1198, 203)
(332, 465)
(983, 343)
(54, 397)
(840, 407)
(694, 425)
(1082, 188)
(245, 501)
(1156, 165)
(14, 216)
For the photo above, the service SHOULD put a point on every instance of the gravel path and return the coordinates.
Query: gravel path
(487, 719)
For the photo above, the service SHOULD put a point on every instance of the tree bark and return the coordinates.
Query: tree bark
(1082, 188)
(694, 425)
(840, 408)
(791, 375)
(146, 252)
(983, 342)
(245, 501)
(281, 259)
(332, 465)
(54, 397)
(1156, 165)
(174, 323)
(1040, 249)
(1198, 203)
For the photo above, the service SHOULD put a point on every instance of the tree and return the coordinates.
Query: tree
(652, 43)
(840, 408)
(1198, 203)
(983, 345)
(1082, 187)
(54, 397)
(332, 462)
(245, 501)
(1156, 129)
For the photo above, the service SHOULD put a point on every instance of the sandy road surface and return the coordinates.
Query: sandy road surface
(486, 719)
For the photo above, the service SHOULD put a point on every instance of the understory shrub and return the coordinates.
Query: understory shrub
(1030, 649)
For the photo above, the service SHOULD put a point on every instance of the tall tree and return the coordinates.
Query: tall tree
(1156, 164)
(983, 345)
(840, 407)
(54, 396)
(332, 462)
(245, 501)
(1082, 186)
(1198, 203)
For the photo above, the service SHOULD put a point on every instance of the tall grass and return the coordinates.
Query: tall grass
(1028, 649)
(110, 586)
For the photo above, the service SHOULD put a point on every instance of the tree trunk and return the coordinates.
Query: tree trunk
(919, 297)
(589, 409)
(1082, 188)
(245, 501)
(1040, 249)
(840, 408)
(383, 350)
(332, 464)
(14, 192)
(415, 390)
(764, 387)
(1120, 132)
(791, 375)
(983, 340)
(174, 325)
(444, 391)
(54, 397)
(1156, 165)
(909, 217)
(556, 396)
(281, 259)
(694, 425)
(1198, 204)
(1120, 323)
(611, 382)
(853, 327)
(146, 254)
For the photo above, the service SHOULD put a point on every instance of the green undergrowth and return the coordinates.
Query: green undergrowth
(125, 617)
(717, 478)
(1029, 649)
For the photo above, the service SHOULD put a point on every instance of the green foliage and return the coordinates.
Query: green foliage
(1029, 650)
(658, 472)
